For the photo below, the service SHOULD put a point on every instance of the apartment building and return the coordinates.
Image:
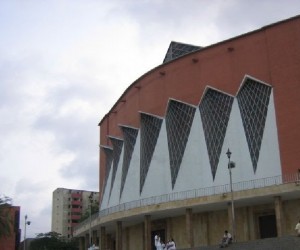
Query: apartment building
(68, 207)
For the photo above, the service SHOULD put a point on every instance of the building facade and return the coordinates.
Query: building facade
(163, 163)
(68, 206)
(12, 241)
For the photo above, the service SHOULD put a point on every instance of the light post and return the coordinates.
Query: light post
(230, 166)
(26, 223)
(90, 208)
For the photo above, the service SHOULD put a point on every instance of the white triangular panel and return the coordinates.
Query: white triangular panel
(195, 171)
(115, 192)
(269, 158)
(132, 184)
(235, 140)
(158, 180)
(105, 199)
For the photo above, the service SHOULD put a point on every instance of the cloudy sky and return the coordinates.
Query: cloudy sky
(64, 63)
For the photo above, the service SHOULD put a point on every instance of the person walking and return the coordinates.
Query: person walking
(297, 228)
(171, 245)
(157, 242)
(160, 245)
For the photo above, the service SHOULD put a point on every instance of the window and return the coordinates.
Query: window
(179, 119)
(253, 100)
(150, 128)
(215, 109)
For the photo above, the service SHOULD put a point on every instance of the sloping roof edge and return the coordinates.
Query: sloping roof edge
(204, 48)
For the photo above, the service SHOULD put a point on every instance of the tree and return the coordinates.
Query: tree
(5, 217)
(86, 214)
(53, 241)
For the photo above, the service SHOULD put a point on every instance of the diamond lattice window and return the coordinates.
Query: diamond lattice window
(117, 149)
(150, 128)
(253, 100)
(176, 50)
(215, 109)
(179, 121)
(130, 135)
(108, 160)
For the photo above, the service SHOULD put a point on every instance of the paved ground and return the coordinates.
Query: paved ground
(280, 243)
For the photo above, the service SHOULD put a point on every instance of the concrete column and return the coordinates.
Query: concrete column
(244, 224)
(189, 227)
(229, 211)
(94, 237)
(147, 232)
(127, 239)
(251, 227)
(102, 238)
(169, 232)
(87, 241)
(279, 215)
(206, 226)
(119, 235)
(81, 243)
(109, 241)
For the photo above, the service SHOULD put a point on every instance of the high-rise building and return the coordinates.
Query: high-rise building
(169, 144)
(68, 207)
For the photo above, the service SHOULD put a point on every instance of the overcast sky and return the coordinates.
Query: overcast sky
(64, 63)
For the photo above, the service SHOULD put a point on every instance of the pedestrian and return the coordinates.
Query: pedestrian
(160, 245)
(171, 245)
(157, 243)
(297, 228)
(226, 240)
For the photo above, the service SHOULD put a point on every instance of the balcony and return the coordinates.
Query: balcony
(76, 202)
(222, 190)
(74, 224)
(204, 197)
(75, 217)
(76, 210)
(76, 195)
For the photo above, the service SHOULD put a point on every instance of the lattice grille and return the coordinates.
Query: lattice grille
(109, 158)
(179, 49)
(253, 100)
(215, 110)
(179, 120)
(130, 135)
(150, 128)
(117, 149)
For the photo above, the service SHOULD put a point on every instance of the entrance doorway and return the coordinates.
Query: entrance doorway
(267, 226)
(161, 234)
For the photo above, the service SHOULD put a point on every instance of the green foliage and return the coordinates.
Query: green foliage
(52, 241)
(5, 201)
(5, 216)
(86, 214)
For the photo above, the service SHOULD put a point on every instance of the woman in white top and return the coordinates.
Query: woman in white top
(160, 245)
(171, 245)
(297, 228)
